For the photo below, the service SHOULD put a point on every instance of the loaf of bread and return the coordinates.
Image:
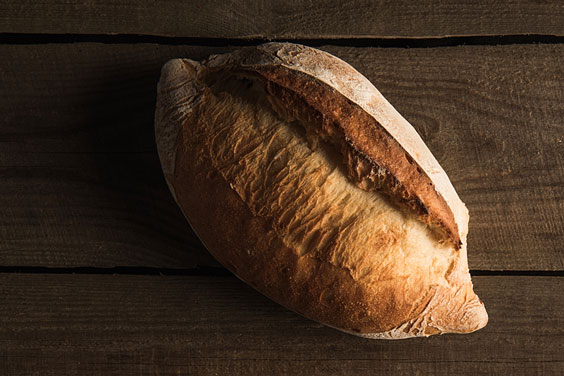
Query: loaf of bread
(301, 179)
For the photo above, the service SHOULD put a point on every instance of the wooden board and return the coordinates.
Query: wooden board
(140, 325)
(81, 184)
(283, 19)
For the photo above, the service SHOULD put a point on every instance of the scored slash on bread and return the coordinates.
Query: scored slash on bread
(304, 181)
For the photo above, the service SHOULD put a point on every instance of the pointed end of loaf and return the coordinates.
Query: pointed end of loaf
(459, 311)
(473, 316)
(456, 316)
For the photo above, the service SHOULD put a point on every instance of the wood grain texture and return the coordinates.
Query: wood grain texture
(141, 325)
(81, 184)
(283, 19)
(81, 180)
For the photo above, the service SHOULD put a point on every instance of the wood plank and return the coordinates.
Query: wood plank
(82, 184)
(283, 19)
(137, 325)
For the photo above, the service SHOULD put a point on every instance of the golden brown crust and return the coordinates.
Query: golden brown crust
(284, 218)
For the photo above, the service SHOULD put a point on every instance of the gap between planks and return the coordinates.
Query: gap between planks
(211, 271)
(381, 42)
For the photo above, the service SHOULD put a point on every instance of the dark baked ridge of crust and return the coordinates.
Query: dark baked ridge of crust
(373, 158)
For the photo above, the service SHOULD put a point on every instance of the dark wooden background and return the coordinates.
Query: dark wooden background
(100, 273)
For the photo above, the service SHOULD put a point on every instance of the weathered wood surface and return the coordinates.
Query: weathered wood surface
(140, 325)
(82, 186)
(285, 19)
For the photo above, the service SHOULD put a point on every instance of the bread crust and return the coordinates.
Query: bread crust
(314, 285)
